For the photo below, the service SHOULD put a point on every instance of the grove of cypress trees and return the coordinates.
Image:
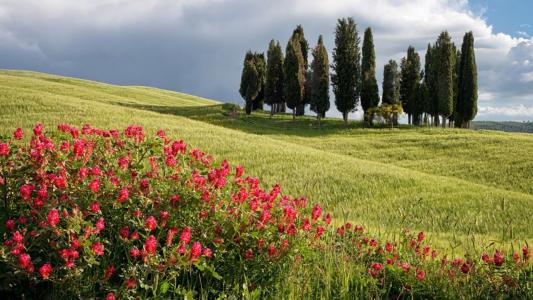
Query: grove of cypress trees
(320, 80)
(261, 68)
(294, 75)
(298, 33)
(252, 79)
(274, 77)
(445, 76)
(346, 65)
(410, 77)
(467, 83)
(369, 84)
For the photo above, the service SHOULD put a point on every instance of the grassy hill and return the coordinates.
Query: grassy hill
(461, 186)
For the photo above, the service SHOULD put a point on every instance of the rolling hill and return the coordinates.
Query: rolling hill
(459, 185)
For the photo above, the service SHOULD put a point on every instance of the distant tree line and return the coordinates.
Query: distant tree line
(443, 93)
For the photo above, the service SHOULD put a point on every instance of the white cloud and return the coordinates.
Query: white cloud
(509, 111)
(146, 41)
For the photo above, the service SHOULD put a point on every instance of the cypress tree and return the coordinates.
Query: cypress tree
(259, 59)
(320, 80)
(410, 77)
(274, 77)
(294, 75)
(346, 65)
(430, 80)
(369, 84)
(467, 87)
(455, 71)
(252, 79)
(391, 83)
(298, 34)
(445, 76)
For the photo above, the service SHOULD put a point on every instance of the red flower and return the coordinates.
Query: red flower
(170, 235)
(207, 252)
(4, 149)
(389, 247)
(18, 134)
(135, 252)
(24, 260)
(38, 129)
(124, 232)
(421, 236)
(94, 185)
(420, 275)
(465, 268)
(45, 270)
(498, 258)
(109, 272)
(486, 258)
(98, 248)
(53, 217)
(239, 171)
(317, 211)
(95, 207)
(196, 250)
(130, 283)
(525, 253)
(271, 250)
(150, 246)
(151, 223)
(110, 296)
(327, 219)
(249, 254)
(185, 236)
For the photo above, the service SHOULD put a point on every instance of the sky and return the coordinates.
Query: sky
(198, 46)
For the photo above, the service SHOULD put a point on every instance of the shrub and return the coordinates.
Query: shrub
(96, 212)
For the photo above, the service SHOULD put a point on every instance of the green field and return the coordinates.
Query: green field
(463, 187)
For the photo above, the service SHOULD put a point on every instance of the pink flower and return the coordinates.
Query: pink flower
(38, 129)
(53, 217)
(45, 270)
(150, 246)
(185, 236)
(124, 232)
(110, 296)
(130, 283)
(317, 211)
(498, 258)
(420, 275)
(18, 134)
(94, 185)
(421, 236)
(95, 207)
(98, 248)
(239, 171)
(196, 250)
(123, 195)
(389, 247)
(207, 253)
(151, 223)
(4, 149)
(24, 260)
(249, 254)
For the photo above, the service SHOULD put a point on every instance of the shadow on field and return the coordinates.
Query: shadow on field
(257, 123)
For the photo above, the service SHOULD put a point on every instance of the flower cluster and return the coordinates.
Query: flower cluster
(120, 209)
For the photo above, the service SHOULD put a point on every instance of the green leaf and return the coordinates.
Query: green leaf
(164, 287)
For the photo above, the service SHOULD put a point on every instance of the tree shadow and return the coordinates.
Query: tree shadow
(259, 123)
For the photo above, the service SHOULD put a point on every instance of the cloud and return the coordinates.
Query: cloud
(197, 46)
(518, 112)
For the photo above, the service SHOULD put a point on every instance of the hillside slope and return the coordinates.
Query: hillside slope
(380, 194)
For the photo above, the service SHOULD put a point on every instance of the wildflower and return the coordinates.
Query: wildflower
(317, 211)
(498, 258)
(421, 236)
(465, 268)
(327, 219)
(271, 250)
(150, 246)
(486, 258)
(38, 129)
(207, 252)
(239, 171)
(525, 253)
(99, 225)
(389, 247)
(95, 207)
(420, 275)
(45, 270)
(110, 296)
(130, 283)
(94, 185)
(98, 248)
(53, 217)
(24, 260)
(134, 252)
(170, 235)
(18, 134)
(249, 254)
(109, 272)
(10, 224)
(4, 149)
(151, 223)
(185, 236)
(196, 250)
(319, 231)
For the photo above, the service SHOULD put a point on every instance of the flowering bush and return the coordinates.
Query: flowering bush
(99, 213)
(94, 212)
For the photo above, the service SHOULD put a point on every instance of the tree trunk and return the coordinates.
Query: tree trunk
(443, 122)
(294, 114)
(409, 119)
(345, 117)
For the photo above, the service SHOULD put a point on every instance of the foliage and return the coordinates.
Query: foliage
(346, 79)
(445, 75)
(388, 113)
(410, 77)
(320, 81)
(298, 34)
(294, 74)
(467, 87)
(274, 77)
(95, 211)
(391, 83)
(369, 84)
(253, 80)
